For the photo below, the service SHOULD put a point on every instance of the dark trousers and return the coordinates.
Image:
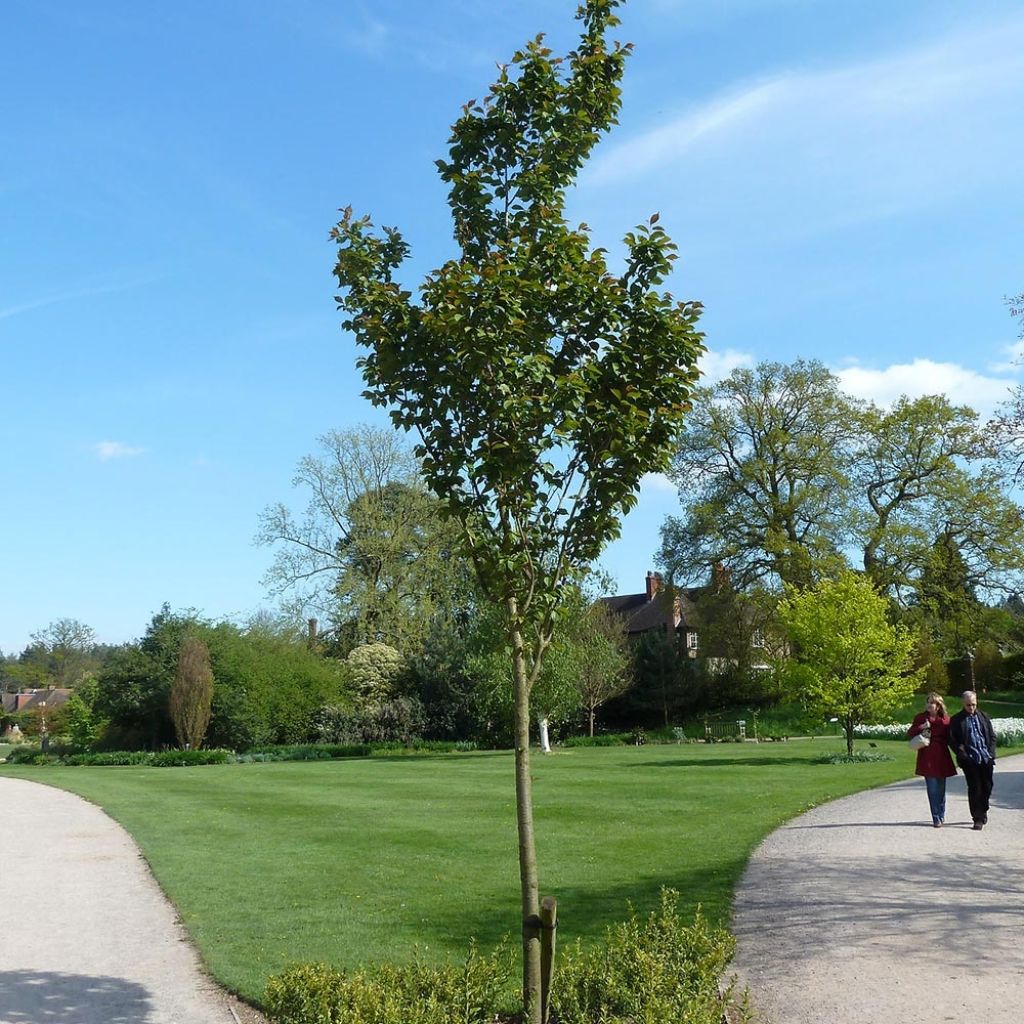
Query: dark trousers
(979, 788)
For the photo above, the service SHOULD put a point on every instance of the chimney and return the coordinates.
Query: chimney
(653, 585)
(720, 576)
(312, 626)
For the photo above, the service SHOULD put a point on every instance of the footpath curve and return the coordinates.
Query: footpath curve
(860, 912)
(86, 935)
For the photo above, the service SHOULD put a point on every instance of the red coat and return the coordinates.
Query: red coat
(934, 760)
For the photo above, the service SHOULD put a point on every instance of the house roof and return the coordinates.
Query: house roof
(29, 699)
(642, 613)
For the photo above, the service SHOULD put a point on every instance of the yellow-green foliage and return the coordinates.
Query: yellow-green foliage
(416, 993)
(656, 970)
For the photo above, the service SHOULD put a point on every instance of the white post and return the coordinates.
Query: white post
(545, 742)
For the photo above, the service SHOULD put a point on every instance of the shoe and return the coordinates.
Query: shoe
(978, 826)
(936, 824)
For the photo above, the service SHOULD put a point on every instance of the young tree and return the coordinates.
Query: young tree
(858, 665)
(192, 693)
(540, 385)
(602, 662)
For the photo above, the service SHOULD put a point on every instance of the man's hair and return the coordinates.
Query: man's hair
(968, 693)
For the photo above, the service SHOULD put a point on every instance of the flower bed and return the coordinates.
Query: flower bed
(1009, 731)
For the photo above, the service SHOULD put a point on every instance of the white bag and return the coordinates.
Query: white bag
(920, 741)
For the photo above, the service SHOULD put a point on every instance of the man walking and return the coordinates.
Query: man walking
(973, 740)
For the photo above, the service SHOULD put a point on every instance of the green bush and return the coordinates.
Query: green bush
(189, 758)
(117, 758)
(108, 758)
(416, 993)
(608, 739)
(30, 755)
(306, 752)
(656, 970)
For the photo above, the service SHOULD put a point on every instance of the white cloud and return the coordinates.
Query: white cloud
(107, 450)
(925, 377)
(656, 483)
(804, 150)
(716, 366)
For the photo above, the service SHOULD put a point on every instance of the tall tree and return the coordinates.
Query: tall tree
(858, 664)
(192, 693)
(62, 654)
(946, 597)
(762, 468)
(915, 465)
(540, 385)
(372, 554)
(782, 476)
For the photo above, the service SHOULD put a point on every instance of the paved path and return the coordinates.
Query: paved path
(86, 936)
(859, 912)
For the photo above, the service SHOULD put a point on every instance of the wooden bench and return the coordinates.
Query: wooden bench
(725, 730)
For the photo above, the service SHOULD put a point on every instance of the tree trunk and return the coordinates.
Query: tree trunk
(592, 716)
(849, 735)
(529, 886)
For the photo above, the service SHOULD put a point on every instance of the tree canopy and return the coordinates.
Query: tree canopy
(784, 478)
(372, 555)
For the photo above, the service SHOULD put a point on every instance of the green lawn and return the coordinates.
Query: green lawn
(361, 860)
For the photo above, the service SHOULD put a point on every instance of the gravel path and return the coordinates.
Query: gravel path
(859, 912)
(86, 935)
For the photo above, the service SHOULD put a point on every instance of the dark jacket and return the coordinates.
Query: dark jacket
(933, 761)
(958, 734)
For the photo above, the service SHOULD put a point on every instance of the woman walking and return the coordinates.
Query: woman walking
(933, 760)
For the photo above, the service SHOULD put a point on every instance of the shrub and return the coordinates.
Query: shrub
(655, 970)
(416, 993)
(400, 719)
(307, 752)
(189, 758)
(608, 739)
(29, 755)
(118, 758)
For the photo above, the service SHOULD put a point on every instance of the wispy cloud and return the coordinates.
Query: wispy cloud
(55, 298)
(961, 385)
(107, 450)
(816, 148)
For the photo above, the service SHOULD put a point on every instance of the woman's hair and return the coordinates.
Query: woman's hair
(938, 700)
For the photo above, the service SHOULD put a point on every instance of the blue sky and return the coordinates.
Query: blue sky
(843, 182)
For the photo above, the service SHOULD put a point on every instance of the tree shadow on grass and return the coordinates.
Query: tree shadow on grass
(32, 997)
(585, 910)
(724, 762)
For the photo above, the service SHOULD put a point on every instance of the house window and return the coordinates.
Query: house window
(757, 639)
(691, 641)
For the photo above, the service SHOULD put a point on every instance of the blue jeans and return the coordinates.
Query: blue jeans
(936, 798)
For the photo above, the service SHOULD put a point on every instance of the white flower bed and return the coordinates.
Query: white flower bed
(1009, 731)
